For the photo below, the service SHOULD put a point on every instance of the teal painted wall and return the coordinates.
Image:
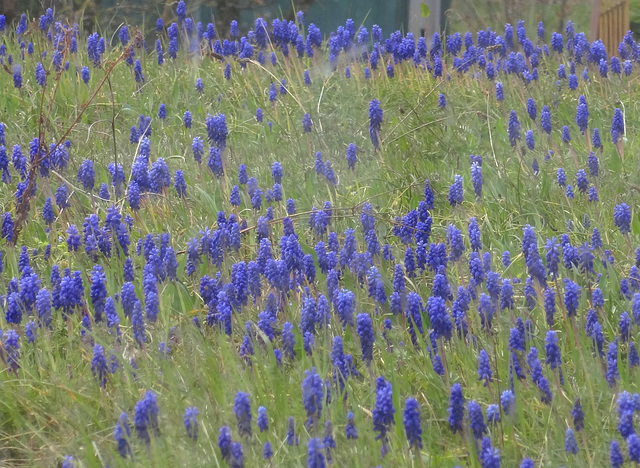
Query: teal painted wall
(329, 14)
(390, 15)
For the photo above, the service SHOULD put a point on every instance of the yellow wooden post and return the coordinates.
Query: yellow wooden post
(609, 23)
(595, 20)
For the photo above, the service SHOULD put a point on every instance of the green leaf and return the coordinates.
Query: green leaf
(424, 10)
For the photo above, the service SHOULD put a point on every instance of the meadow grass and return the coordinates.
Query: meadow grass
(53, 406)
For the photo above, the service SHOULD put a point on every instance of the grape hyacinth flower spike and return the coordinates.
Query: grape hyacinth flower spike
(375, 122)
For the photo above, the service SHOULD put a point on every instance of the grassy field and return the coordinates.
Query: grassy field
(230, 320)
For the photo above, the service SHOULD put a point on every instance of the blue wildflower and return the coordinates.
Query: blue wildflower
(383, 411)
(375, 122)
(484, 367)
(570, 443)
(242, 410)
(617, 126)
(622, 218)
(411, 420)
(456, 409)
(146, 416)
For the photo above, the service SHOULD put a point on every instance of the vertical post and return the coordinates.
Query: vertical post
(625, 17)
(595, 20)
(563, 7)
(445, 5)
(610, 14)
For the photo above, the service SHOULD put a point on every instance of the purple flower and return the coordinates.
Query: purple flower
(582, 116)
(350, 428)
(121, 434)
(572, 294)
(217, 131)
(532, 109)
(312, 396)
(456, 191)
(612, 375)
(214, 163)
(315, 456)
(162, 111)
(292, 437)
(263, 419)
(456, 245)
(198, 149)
(595, 139)
(99, 365)
(242, 410)
(578, 416)
(529, 140)
(12, 349)
(306, 123)
(569, 192)
(617, 460)
(86, 174)
(552, 350)
(582, 182)
(411, 420)
(617, 126)
(181, 11)
(146, 417)
(634, 448)
(351, 156)
(476, 268)
(345, 302)
(98, 292)
(224, 442)
(191, 422)
(365, 332)
(73, 238)
(137, 67)
(456, 409)
(476, 419)
(499, 92)
(545, 120)
(187, 119)
(159, 176)
(508, 401)
(375, 122)
(17, 76)
(41, 76)
(476, 179)
(622, 218)
(484, 367)
(514, 128)
(493, 414)
(570, 443)
(489, 457)
(288, 340)
(566, 135)
(557, 42)
(442, 101)
(440, 320)
(383, 411)
(180, 184)
(137, 323)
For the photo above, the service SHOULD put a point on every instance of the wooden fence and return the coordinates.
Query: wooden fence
(609, 23)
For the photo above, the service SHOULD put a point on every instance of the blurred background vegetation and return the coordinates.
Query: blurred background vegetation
(468, 15)
(457, 15)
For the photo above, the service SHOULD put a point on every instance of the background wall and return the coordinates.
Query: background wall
(391, 15)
